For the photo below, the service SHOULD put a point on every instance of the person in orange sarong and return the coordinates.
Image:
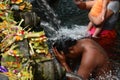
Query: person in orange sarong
(98, 9)
(107, 36)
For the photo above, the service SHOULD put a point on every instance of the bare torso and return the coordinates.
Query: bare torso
(90, 50)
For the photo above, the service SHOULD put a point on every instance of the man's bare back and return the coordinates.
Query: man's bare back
(98, 57)
(93, 59)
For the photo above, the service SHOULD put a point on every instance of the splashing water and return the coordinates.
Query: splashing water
(54, 30)
(76, 32)
(109, 76)
(50, 14)
(113, 74)
(49, 30)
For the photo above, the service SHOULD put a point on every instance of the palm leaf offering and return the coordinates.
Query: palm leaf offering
(15, 61)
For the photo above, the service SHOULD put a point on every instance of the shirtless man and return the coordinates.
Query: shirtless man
(92, 58)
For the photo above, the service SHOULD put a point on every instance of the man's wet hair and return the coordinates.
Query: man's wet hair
(64, 43)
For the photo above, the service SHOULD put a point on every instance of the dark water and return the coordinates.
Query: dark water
(70, 14)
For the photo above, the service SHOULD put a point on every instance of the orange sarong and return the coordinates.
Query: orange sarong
(97, 8)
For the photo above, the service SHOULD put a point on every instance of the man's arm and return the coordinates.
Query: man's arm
(97, 20)
(84, 4)
(104, 9)
(88, 64)
(62, 59)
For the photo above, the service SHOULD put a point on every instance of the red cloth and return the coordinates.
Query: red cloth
(106, 39)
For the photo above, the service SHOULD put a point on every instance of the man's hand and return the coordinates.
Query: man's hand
(61, 58)
(59, 55)
(102, 15)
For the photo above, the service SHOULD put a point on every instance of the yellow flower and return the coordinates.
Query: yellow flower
(18, 38)
(2, 6)
(3, 24)
(22, 6)
(14, 52)
(16, 1)
(9, 63)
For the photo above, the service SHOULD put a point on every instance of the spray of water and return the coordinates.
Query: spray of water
(50, 14)
(108, 76)
(49, 30)
(76, 32)
(53, 28)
